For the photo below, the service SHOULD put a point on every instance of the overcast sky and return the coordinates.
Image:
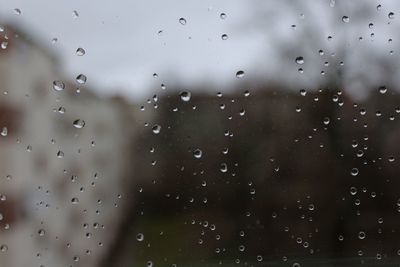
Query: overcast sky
(124, 49)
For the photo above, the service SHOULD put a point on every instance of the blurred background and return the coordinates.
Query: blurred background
(199, 133)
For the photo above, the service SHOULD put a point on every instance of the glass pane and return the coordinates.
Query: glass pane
(199, 133)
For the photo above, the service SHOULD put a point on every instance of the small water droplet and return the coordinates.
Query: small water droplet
(156, 129)
(223, 167)
(224, 36)
(361, 235)
(79, 124)
(391, 15)
(197, 153)
(3, 248)
(4, 45)
(382, 89)
(4, 131)
(240, 74)
(80, 51)
(182, 21)
(58, 85)
(81, 79)
(345, 19)
(300, 60)
(140, 237)
(222, 16)
(354, 172)
(60, 154)
(75, 200)
(185, 96)
(17, 11)
(41, 232)
(75, 14)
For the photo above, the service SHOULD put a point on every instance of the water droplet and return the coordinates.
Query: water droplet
(382, 89)
(182, 21)
(75, 14)
(81, 79)
(156, 129)
(3, 248)
(41, 232)
(29, 148)
(354, 172)
(79, 124)
(240, 74)
(80, 51)
(61, 110)
(185, 96)
(391, 15)
(149, 264)
(361, 235)
(224, 36)
(75, 200)
(4, 45)
(4, 131)
(17, 11)
(140, 237)
(223, 167)
(197, 153)
(299, 60)
(58, 85)
(222, 16)
(345, 19)
(60, 154)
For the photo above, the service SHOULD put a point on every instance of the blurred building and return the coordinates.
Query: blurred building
(64, 161)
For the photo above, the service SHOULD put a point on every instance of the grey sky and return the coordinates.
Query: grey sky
(123, 48)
